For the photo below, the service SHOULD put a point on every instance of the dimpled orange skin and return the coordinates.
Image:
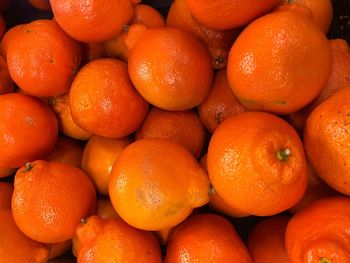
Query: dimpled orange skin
(244, 157)
(220, 103)
(206, 238)
(283, 71)
(50, 199)
(100, 153)
(92, 21)
(6, 190)
(156, 183)
(216, 202)
(44, 59)
(176, 75)
(15, 246)
(104, 102)
(28, 128)
(322, 11)
(183, 127)
(266, 241)
(316, 189)
(6, 83)
(228, 14)
(7, 38)
(112, 240)
(320, 233)
(147, 15)
(339, 78)
(326, 140)
(67, 151)
(218, 42)
(61, 106)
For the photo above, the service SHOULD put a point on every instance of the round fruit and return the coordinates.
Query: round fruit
(15, 246)
(94, 20)
(326, 140)
(104, 102)
(183, 127)
(176, 75)
(156, 183)
(50, 199)
(99, 156)
(228, 14)
(220, 103)
(206, 238)
(112, 240)
(257, 152)
(43, 59)
(28, 129)
(320, 232)
(279, 63)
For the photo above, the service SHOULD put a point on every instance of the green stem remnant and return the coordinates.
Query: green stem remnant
(283, 155)
(84, 221)
(325, 260)
(28, 167)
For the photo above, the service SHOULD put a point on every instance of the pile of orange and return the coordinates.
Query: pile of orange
(129, 136)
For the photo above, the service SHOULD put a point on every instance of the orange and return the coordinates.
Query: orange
(266, 241)
(316, 189)
(6, 190)
(176, 75)
(66, 151)
(6, 83)
(104, 102)
(206, 238)
(105, 208)
(156, 183)
(339, 78)
(8, 37)
(260, 153)
(59, 195)
(61, 106)
(41, 4)
(228, 14)
(322, 11)
(147, 15)
(28, 129)
(326, 140)
(121, 45)
(5, 171)
(218, 42)
(144, 17)
(43, 54)
(220, 103)
(112, 240)
(99, 156)
(57, 249)
(283, 71)
(183, 127)
(320, 232)
(216, 202)
(15, 246)
(92, 51)
(92, 21)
